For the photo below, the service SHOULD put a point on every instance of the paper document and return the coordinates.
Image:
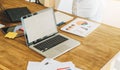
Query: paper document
(1, 25)
(62, 18)
(80, 27)
(50, 64)
(31, 0)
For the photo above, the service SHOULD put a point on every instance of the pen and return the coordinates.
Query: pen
(61, 23)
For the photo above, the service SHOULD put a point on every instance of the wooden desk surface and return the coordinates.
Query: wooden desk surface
(93, 53)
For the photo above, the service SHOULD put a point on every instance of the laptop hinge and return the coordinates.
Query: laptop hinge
(45, 37)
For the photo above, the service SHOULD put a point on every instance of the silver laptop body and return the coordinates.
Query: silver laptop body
(40, 27)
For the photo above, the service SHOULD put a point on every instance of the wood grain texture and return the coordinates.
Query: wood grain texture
(93, 53)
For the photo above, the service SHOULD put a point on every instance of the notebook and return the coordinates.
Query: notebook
(42, 35)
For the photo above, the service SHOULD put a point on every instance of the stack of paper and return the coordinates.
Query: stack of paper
(11, 35)
(80, 27)
(50, 64)
(62, 18)
(1, 25)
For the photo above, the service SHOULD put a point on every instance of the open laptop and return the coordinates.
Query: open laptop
(42, 36)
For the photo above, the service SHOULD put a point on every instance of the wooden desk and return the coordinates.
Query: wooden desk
(93, 53)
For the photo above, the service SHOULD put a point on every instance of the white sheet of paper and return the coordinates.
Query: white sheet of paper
(33, 65)
(31, 0)
(1, 25)
(61, 17)
(56, 66)
(66, 6)
(80, 27)
(50, 64)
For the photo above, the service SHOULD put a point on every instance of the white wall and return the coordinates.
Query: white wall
(111, 13)
(65, 5)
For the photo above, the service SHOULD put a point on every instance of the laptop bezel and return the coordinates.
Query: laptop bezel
(32, 14)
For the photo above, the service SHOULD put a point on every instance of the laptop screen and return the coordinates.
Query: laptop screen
(39, 25)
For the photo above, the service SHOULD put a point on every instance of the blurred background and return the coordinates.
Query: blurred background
(110, 14)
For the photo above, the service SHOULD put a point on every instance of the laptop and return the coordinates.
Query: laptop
(42, 35)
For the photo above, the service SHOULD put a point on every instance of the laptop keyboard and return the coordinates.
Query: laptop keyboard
(50, 43)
